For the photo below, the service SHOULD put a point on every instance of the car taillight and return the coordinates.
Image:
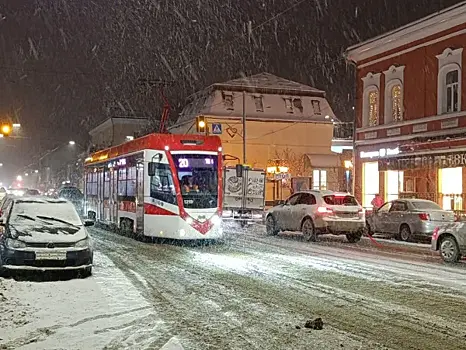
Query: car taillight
(435, 233)
(424, 217)
(324, 210)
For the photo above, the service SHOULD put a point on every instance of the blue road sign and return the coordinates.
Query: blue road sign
(216, 128)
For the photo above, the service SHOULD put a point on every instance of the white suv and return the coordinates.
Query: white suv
(318, 212)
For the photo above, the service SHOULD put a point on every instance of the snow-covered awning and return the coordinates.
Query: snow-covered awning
(323, 160)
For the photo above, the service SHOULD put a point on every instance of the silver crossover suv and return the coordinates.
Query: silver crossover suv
(318, 212)
(450, 240)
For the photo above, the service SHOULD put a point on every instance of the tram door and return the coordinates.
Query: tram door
(140, 195)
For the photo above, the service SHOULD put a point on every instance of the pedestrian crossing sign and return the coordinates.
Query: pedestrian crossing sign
(216, 128)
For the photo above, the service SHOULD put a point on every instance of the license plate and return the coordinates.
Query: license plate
(50, 255)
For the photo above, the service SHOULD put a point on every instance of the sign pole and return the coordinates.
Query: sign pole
(244, 127)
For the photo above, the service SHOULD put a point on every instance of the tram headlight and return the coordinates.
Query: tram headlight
(215, 220)
(189, 220)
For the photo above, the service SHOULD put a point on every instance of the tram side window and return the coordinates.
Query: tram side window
(161, 184)
(91, 185)
(106, 183)
(122, 182)
(131, 182)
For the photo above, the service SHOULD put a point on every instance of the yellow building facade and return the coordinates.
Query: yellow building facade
(288, 126)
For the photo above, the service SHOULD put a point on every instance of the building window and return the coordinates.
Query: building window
(319, 179)
(228, 101)
(393, 184)
(451, 86)
(370, 182)
(451, 188)
(288, 105)
(297, 103)
(370, 107)
(394, 80)
(449, 81)
(259, 103)
(373, 108)
(316, 107)
(396, 103)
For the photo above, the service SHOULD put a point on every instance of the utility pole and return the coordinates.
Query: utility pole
(244, 127)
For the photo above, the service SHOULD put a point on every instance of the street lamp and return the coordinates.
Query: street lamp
(72, 143)
(19, 178)
(1, 164)
(16, 125)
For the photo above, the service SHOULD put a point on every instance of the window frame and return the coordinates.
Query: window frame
(320, 187)
(371, 82)
(449, 60)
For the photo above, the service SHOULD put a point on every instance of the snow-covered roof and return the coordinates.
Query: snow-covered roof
(260, 83)
(423, 28)
(267, 81)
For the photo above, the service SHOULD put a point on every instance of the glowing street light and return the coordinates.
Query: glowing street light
(19, 178)
(1, 164)
(16, 125)
(36, 171)
(26, 174)
(72, 143)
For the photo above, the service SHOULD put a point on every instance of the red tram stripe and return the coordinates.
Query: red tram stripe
(151, 209)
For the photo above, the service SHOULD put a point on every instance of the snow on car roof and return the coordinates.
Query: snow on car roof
(39, 199)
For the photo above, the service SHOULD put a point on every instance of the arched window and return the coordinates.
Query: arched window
(373, 97)
(393, 95)
(396, 103)
(451, 86)
(449, 81)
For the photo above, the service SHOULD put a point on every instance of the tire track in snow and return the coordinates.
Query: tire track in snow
(239, 324)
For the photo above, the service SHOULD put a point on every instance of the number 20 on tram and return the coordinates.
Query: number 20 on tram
(159, 185)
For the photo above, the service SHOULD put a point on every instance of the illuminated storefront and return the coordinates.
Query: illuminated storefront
(436, 176)
(370, 179)
(451, 188)
(394, 184)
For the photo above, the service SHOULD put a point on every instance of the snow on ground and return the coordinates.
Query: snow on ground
(103, 311)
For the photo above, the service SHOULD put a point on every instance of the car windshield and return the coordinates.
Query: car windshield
(424, 205)
(198, 179)
(340, 200)
(51, 211)
(70, 193)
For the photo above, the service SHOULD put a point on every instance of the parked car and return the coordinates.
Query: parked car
(450, 240)
(74, 195)
(41, 233)
(318, 212)
(408, 219)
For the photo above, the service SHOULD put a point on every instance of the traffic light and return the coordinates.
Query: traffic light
(5, 130)
(201, 124)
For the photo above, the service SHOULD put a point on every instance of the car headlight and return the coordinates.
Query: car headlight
(14, 243)
(215, 220)
(84, 243)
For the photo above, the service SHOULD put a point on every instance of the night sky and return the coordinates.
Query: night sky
(62, 62)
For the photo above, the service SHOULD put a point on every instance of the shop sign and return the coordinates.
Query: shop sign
(380, 153)
(445, 160)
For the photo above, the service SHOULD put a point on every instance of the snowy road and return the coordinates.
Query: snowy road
(250, 293)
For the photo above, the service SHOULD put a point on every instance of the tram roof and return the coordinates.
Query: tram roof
(154, 141)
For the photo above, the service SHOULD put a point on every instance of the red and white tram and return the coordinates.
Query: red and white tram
(159, 185)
